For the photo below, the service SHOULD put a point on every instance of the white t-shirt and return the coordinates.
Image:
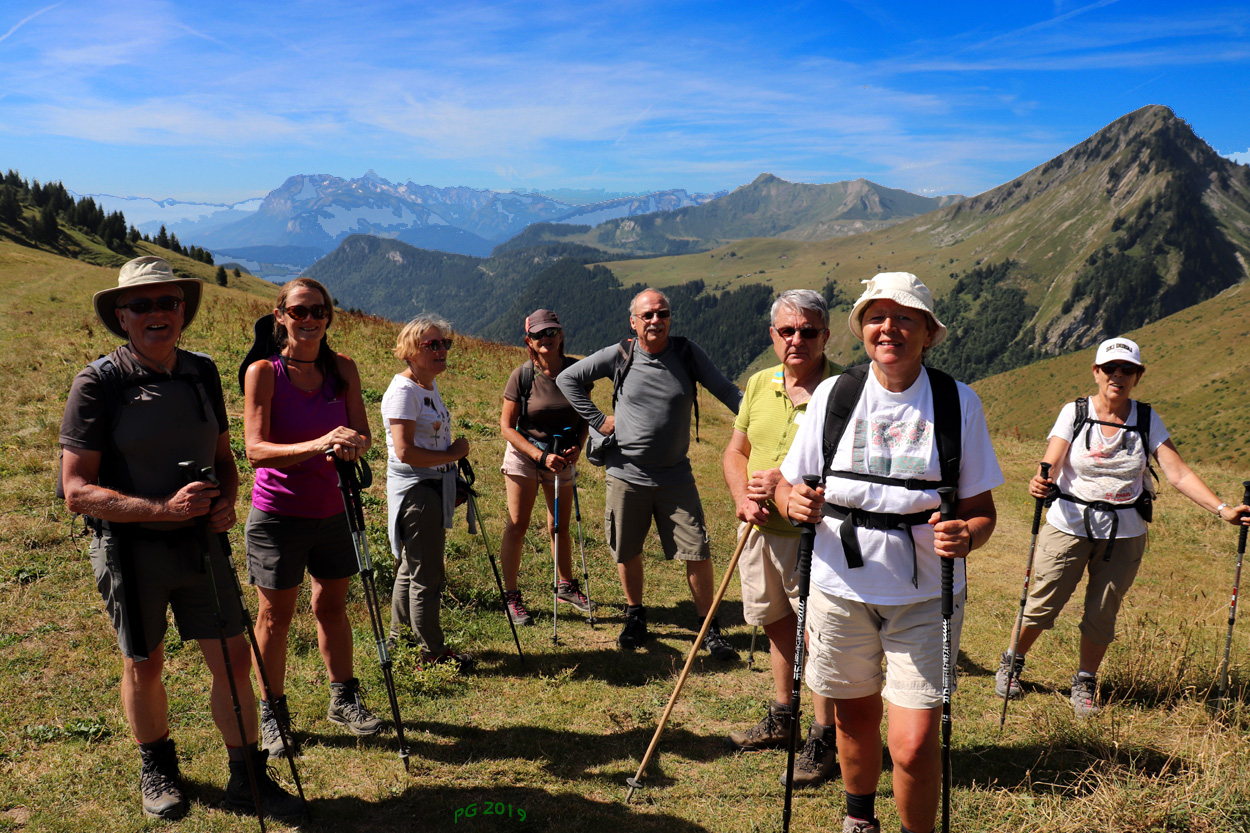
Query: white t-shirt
(405, 399)
(891, 435)
(1111, 469)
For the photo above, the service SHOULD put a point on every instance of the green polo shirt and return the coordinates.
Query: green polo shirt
(770, 421)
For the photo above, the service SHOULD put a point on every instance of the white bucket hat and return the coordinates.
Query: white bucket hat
(1121, 349)
(902, 288)
(144, 271)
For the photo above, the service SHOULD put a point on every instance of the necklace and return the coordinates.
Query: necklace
(285, 357)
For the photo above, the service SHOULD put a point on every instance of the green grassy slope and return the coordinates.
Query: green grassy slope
(557, 739)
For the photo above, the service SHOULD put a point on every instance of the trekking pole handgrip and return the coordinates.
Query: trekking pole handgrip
(1241, 534)
(1041, 502)
(946, 494)
(807, 543)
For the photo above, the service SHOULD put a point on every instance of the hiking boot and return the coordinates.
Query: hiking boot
(570, 592)
(160, 782)
(464, 661)
(718, 646)
(818, 759)
(1000, 678)
(272, 715)
(850, 825)
(348, 709)
(275, 802)
(769, 733)
(1084, 692)
(516, 608)
(635, 631)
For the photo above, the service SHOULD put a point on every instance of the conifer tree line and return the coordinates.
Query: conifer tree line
(41, 210)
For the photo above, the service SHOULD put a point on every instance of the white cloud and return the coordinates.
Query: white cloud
(1241, 158)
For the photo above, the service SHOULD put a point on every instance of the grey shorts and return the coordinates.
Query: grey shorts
(678, 514)
(281, 547)
(167, 574)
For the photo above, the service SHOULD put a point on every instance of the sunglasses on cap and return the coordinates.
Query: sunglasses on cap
(1127, 368)
(142, 306)
(655, 313)
(436, 344)
(299, 312)
(550, 332)
(806, 333)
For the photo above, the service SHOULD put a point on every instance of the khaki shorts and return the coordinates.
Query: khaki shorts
(1058, 564)
(167, 575)
(848, 641)
(517, 464)
(769, 575)
(629, 510)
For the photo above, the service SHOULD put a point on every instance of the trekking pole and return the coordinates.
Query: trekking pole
(807, 542)
(1232, 605)
(947, 496)
(581, 543)
(353, 478)
(193, 474)
(554, 449)
(635, 783)
(1024, 598)
(751, 653)
(466, 471)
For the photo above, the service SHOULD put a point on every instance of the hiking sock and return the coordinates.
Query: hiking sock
(905, 829)
(153, 745)
(635, 610)
(862, 806)
(239, 753)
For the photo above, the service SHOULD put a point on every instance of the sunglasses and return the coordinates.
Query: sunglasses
(299, 312)
(655, 313)
(550, 332)
(1127, 369)
(142, 306)
(436, 344)
(806, 333)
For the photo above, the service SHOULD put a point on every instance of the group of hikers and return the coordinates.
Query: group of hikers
(147, 459)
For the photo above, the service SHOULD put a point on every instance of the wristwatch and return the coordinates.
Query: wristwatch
(1220, 509)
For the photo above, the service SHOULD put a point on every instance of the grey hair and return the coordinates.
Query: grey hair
(801, 301)
(634, 303)
(408, 343)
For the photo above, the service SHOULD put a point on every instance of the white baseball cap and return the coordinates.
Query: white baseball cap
(1118, 349)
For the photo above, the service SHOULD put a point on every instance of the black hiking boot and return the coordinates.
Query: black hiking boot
(160, 782)
(275, 802)
(348, 709)
(273, 714)
(771, 732)
(635, 631)
(517, 611)
(718, 646)
(818, 760)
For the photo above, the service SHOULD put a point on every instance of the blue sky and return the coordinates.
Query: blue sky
(221, 101)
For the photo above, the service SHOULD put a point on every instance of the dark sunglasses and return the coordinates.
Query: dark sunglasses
(550, 332)
(655, 313)
(142, 306)
(436, 344)
(806, 333)
(1128, 369)
(299, 312)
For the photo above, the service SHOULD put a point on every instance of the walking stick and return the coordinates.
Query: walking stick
(192, 474)
(581, 543)
(1024, 598)
(635, 783)
(947, 495)
(466, 471)
(353, 477)
(751, 653)
(807, 542)
(554, 449)
(1232, 605)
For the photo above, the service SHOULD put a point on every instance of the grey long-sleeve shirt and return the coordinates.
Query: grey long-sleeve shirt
(652, 410)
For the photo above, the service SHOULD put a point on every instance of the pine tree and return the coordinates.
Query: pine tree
(221, 276)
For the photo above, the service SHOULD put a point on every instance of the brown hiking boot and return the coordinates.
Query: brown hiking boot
(160, 782)
(769, 733)
(818, 760)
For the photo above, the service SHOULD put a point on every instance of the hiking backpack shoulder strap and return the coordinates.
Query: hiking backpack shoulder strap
(947, 424)
(842, 400)
(524, 387)
(686, 356)
(624, 358)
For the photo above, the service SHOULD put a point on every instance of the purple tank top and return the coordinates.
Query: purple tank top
(308, 489)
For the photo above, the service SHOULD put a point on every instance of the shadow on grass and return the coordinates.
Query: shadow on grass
(514, 809)
(1071, 769)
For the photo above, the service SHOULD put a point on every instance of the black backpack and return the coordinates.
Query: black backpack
(1081, 419)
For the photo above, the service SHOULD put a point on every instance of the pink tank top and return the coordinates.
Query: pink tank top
(308, 489)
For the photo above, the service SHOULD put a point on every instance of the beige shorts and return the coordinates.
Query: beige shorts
(1058, 565)
(518, 465)
(629, 510)
(770, 580)
(848, 641)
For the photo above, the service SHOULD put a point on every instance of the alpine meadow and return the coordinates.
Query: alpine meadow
(1140, 230)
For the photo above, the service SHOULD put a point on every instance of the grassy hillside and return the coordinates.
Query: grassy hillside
(557, 738)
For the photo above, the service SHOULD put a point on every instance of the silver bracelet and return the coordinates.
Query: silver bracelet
(1219, 509)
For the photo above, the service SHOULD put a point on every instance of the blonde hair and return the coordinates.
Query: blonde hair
(408, 342)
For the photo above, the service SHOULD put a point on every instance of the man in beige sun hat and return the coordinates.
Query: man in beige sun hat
(130, 419)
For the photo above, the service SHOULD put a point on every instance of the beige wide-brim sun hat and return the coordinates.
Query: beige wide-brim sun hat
(902, 288)
(145, 271)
